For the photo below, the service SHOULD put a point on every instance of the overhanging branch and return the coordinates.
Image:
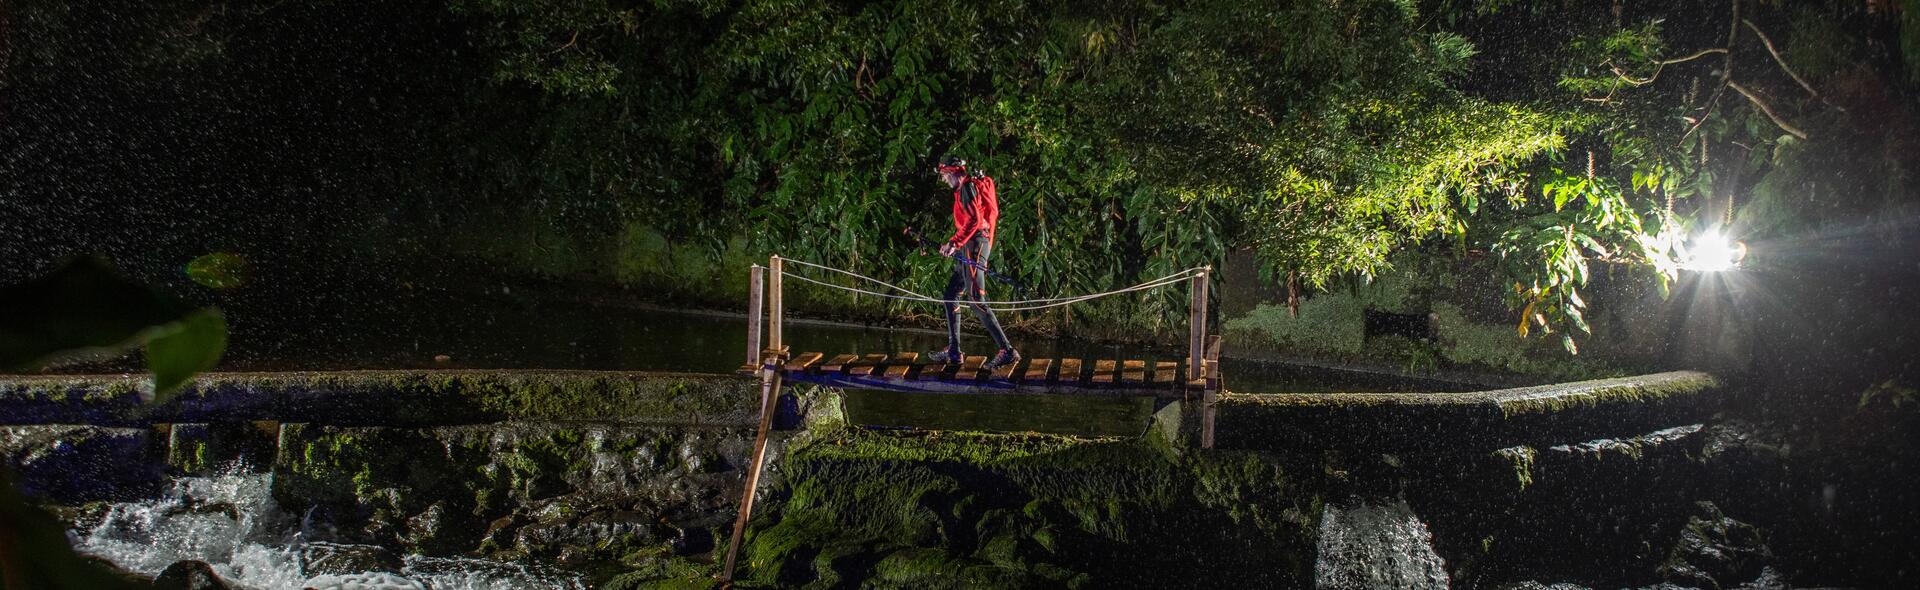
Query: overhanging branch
(1784, 126)
(1777, 59)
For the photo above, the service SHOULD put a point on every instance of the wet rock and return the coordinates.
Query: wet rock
(500, 533)
(189, 574)
(71, 464)
(335, 558)
(560, 526)
(1629, 448)
(432, 531)
(1370, 546)
(1715, 551)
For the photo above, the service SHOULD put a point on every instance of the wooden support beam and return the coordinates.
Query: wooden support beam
(769, 399)
(755, 293)
(775, 311)
(1196, 323)
(1212, 370)
(1211, 394)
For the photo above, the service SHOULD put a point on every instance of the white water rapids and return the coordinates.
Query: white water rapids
(232, 523)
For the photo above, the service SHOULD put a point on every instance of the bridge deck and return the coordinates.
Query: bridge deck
(908, 371)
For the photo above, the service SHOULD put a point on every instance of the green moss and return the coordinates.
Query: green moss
(1644, 389)
(915, 509)
(972, 448)
(1521, 459)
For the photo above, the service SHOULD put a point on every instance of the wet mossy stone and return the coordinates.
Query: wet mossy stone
(892, 509)
(1503, 417)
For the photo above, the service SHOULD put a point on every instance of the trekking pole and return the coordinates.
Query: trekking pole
(924, 242)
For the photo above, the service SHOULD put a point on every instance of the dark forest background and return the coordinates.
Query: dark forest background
(332, 153)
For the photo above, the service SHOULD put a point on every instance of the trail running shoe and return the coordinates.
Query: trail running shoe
(1005, 357)
(944, 356)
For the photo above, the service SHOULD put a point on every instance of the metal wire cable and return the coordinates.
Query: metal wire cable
(1020, 305)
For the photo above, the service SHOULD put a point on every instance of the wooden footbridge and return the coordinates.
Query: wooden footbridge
(907, 371)
(1195, 377)
(1197, 372)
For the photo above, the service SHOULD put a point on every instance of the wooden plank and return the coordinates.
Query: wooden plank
(805, 361)
(1037, 371)
(867, 365)
(1103, 371)
(937, 371)
(1070, 371)
(1163, 372)
(1004, 372)
(970, 370)
(838, 364)
(1133, 372)
(902, 363)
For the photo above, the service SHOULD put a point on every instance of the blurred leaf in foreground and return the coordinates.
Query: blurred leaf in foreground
(86, 309)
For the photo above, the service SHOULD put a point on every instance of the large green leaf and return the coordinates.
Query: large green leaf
(83, 308)
(178, 350)
(86, 309)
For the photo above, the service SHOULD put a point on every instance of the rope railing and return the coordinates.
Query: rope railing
(1017, 305)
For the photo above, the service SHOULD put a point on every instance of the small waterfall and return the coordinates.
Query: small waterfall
(231, 522)
(1368, 546)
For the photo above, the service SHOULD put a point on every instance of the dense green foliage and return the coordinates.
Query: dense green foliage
(666, 144)
(1138, 138)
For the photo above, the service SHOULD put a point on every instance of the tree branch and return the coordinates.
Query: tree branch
(1696, 55)
(1777, 59)
(570, 42)
(1766, 109)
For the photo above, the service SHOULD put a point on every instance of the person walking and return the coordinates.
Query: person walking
(976, 209)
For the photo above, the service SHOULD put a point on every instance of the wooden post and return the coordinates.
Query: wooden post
(769, 399)
(755, 296)
(1200, 358)
(774, 309)
(1197, 326)
(1210, 392)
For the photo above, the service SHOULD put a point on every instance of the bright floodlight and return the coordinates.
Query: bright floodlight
(1713, 252)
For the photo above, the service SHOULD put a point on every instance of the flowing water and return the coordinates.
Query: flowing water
(1369, 545)
(231, 523)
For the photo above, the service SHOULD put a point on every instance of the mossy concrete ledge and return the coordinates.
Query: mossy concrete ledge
(388, 398)
(1393, 421)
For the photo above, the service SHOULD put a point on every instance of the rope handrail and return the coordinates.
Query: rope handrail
(851, 274)
(1019, 305)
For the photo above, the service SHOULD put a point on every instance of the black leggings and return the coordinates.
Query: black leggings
(969, 284)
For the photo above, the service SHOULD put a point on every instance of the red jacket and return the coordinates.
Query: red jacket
(976, 209)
